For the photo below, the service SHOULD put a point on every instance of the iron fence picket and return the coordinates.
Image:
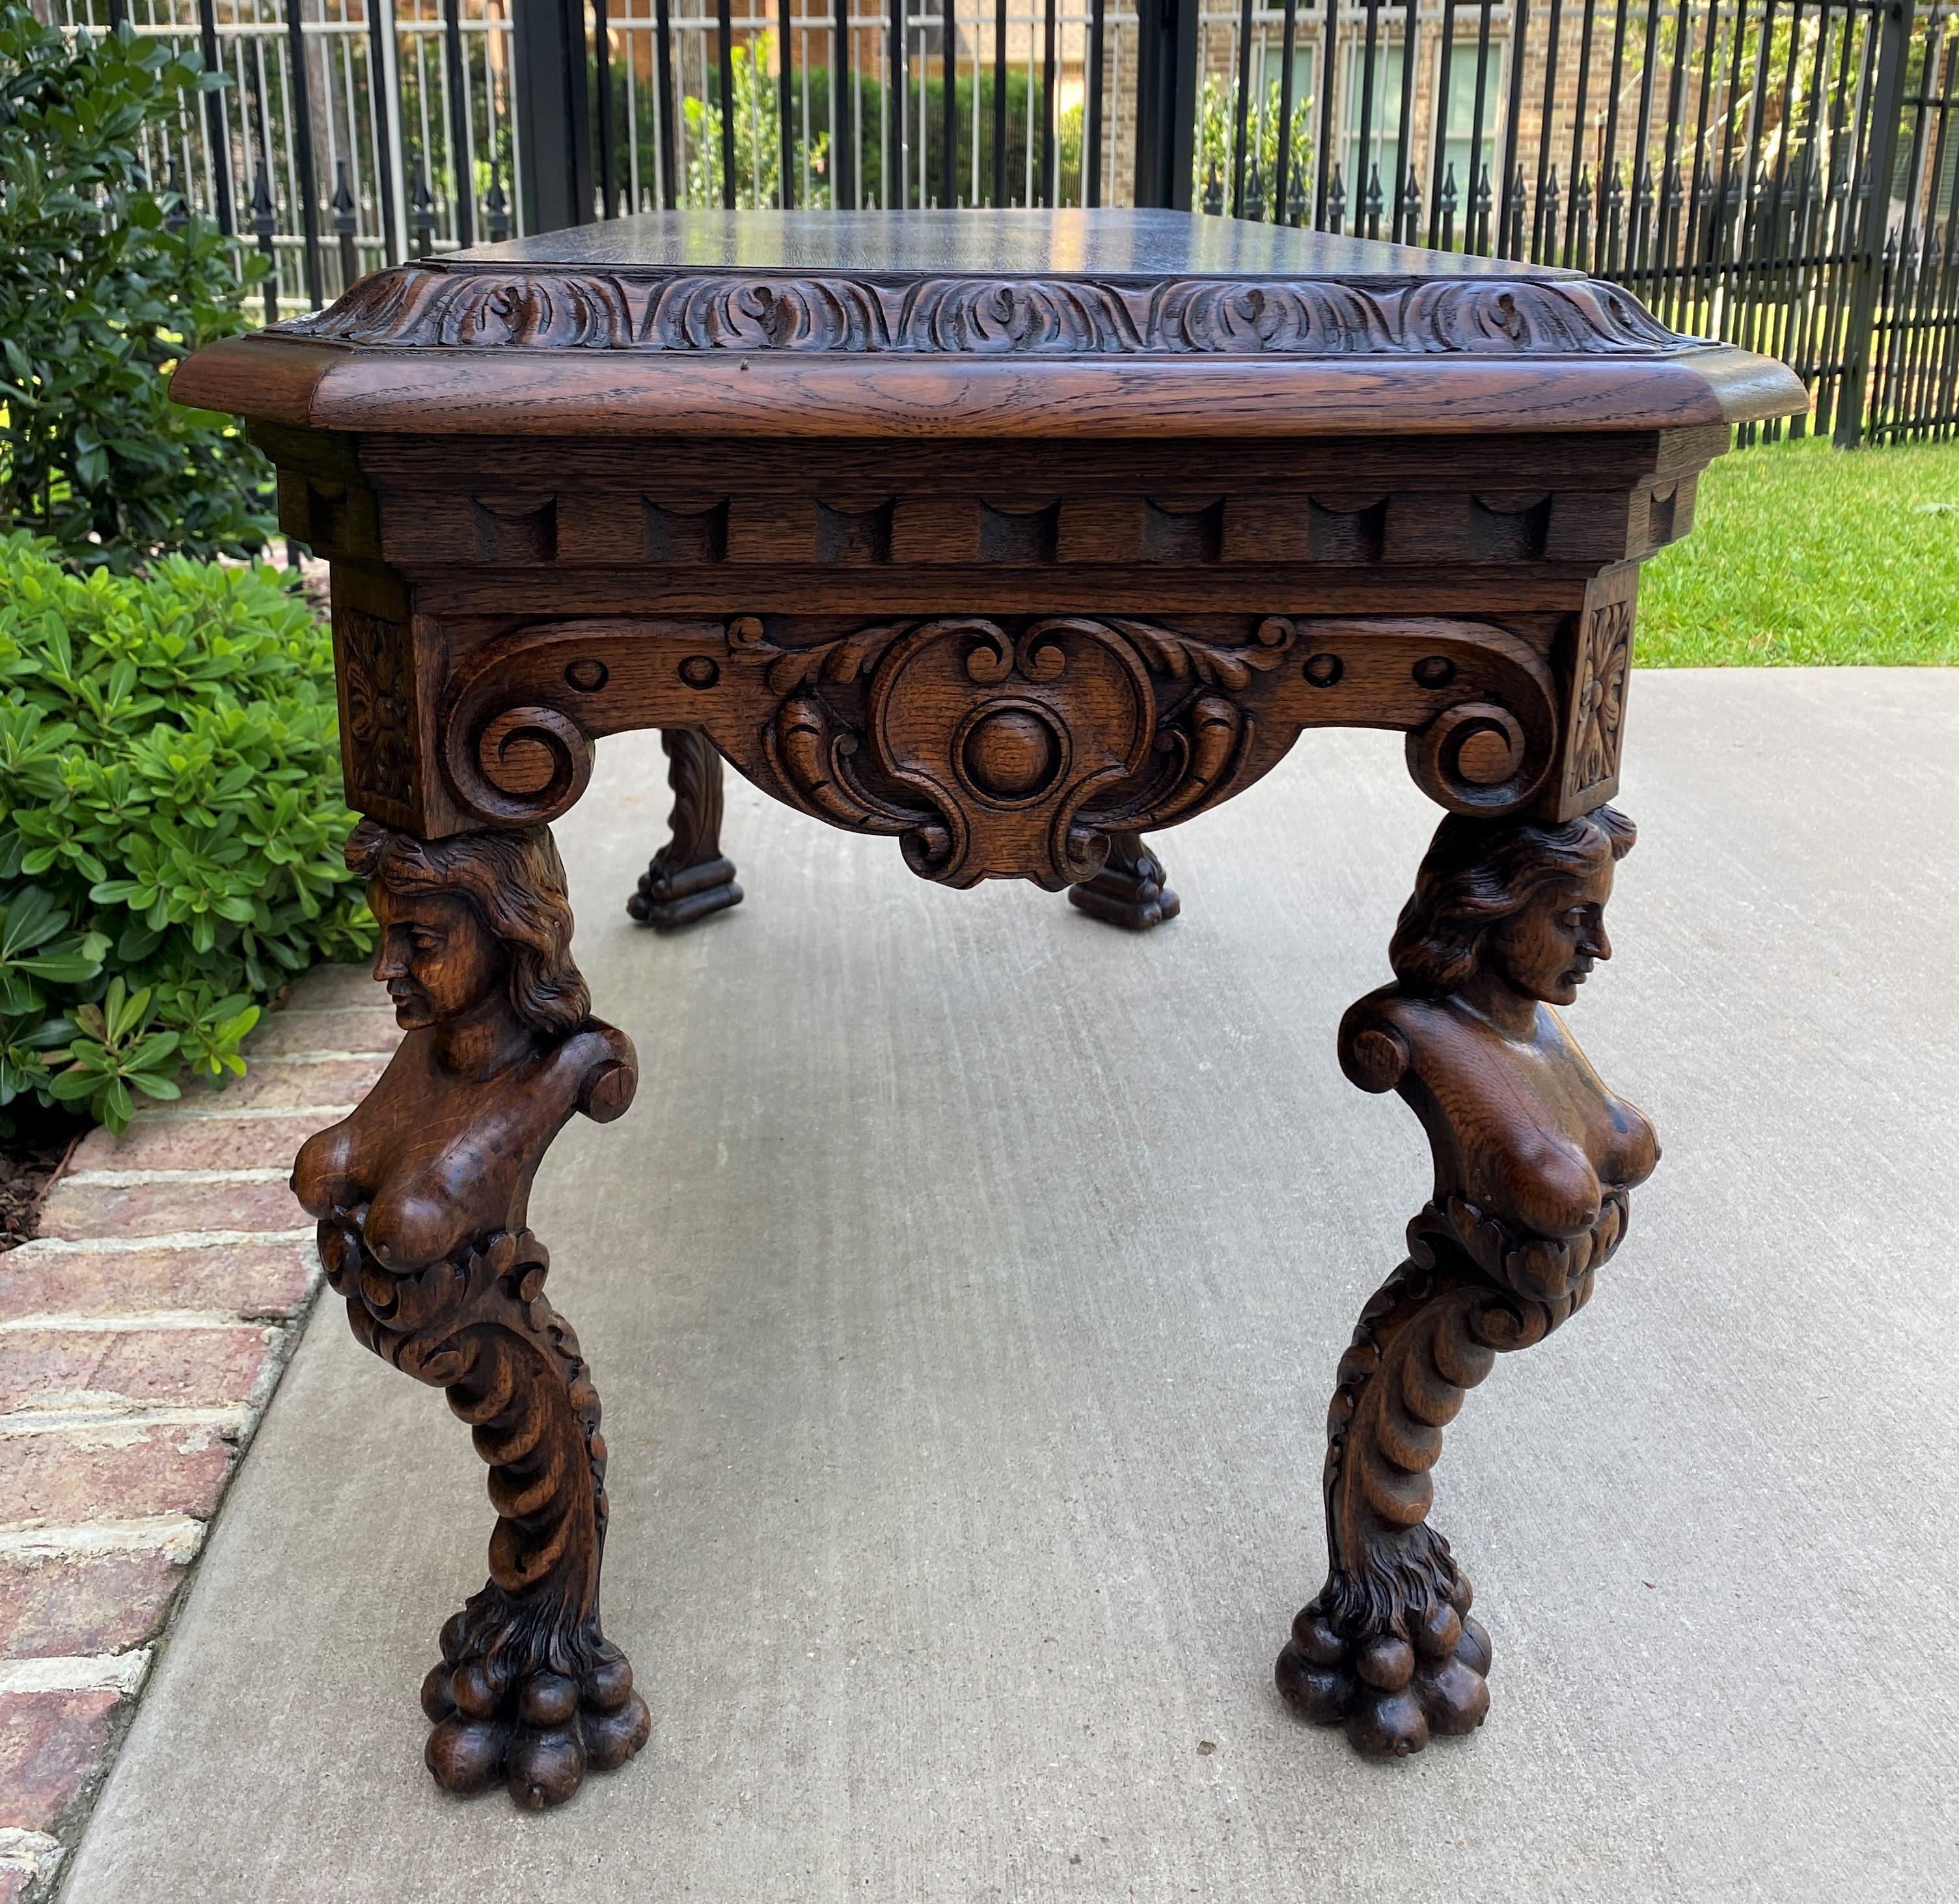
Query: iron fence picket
(1779, 174)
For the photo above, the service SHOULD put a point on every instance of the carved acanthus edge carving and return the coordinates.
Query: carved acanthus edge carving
(421, 305)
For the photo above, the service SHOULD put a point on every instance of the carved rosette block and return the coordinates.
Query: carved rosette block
(1534, 1160)
(1131, 890)
(421, 1196)
(690, 877)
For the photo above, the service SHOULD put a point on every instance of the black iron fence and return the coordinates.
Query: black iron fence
(1781, 173)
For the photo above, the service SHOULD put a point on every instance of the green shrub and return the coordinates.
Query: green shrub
(170, 821)
(98, 299)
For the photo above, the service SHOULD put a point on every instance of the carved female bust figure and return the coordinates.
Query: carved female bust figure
(1534, 1158)
(1533, 1154)
(421, 1195)
(475, 952)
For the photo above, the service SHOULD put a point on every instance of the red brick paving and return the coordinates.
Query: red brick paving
(114, 1474)
(178, 1368)
(78, 1209)
(125, 1375)
(62, 1606)
(206, 1139)
(49, 1743)
(268, 1280)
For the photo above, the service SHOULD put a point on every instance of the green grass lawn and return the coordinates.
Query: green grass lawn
(1806, 556)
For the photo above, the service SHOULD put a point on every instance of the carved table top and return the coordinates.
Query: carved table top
(1003, 533)
(1079, 323)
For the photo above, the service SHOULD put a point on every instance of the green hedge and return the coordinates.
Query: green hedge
(98, 298)
(171, 820)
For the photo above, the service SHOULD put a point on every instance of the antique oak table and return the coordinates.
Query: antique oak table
(1016, 537)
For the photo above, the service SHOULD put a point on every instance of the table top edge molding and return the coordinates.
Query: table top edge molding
(443, 390)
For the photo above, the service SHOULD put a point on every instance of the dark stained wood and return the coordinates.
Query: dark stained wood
(1132, 890)
(1013, 537)
(421, 1197)
(1534, 1161)
(1011, 325)
(689, 877)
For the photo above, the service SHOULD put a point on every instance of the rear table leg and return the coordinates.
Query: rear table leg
(1131, 890)
(688, 877)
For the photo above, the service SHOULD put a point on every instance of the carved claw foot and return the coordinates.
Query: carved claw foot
(1131, 890)
(539, 1731)
(1392, 1694)
(689, 877)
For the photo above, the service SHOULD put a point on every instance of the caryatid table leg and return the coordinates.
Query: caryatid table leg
(689, 877)
(1533, 1160)
(421, 1197)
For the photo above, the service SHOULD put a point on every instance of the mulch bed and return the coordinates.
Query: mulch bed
(31, 1159)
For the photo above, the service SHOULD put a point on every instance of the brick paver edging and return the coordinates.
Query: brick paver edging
(141, 1334)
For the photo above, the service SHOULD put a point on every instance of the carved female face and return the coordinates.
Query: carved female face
(1547, 951)
(437, 959)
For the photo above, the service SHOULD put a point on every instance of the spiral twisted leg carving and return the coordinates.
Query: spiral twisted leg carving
(1387, 1646)
(689, 877)
(1132, 889)
(528, 1689)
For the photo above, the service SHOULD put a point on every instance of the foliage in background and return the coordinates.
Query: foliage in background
(170, 821)
(1804, 555)
(98, 299)
(1217, 121)
(758, 98)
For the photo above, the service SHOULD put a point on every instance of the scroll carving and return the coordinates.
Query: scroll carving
(543, 308)
(1534, 1161)
(421, 1196)
(998, 748)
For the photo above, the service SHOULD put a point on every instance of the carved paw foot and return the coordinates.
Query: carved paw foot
(1131, 890)
(676, 896)
(539, 1732)
(1392, 1694)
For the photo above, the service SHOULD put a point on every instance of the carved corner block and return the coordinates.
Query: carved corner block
(1599, 671)
(389, 662)
(1534, 1161)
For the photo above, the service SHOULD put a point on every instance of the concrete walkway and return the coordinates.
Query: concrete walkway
(965, 1290)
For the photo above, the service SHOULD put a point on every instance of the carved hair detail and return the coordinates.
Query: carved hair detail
(1477, 874)
(516, 882)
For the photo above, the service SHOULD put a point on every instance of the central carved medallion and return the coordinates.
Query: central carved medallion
(1074, 719)
(1011, 752)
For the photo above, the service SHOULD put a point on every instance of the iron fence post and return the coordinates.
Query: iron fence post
(1873, 214)
(346, 223)
(386, 95)
(215, 119)
(555, 135)
(303, 142)
(1166, 101)
(724, 34)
